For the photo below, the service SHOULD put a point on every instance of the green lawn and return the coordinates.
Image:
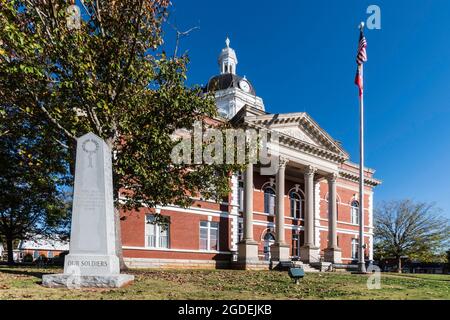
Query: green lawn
(24, 283)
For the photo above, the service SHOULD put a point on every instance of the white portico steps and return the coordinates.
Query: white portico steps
(283, 266)
(312, 267)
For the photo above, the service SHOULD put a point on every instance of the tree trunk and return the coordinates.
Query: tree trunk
(119, 251)
(399, 269)
(10, 248)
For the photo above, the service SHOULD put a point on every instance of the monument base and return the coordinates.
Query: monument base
(71, 281)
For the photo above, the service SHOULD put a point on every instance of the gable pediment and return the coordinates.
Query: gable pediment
(299, 128)
(297, 133)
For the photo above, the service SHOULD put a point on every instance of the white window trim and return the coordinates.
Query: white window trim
(175, 250)
(241, 198)
(354, 210)
(240, 230)
(354, 244)
(301, 200)
(208, 240)
(157, 236)
(272, 198)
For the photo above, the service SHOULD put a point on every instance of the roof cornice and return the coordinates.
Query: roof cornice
(303, 146)
(354, 177)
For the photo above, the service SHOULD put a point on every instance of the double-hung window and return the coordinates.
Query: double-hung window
(269, 200)
(156, 235)
(355, 212)
(354, 248)
(296, 205)
(240, 230)
(241, 192)
(209, 235)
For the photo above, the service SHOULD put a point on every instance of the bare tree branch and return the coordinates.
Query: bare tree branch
(52, 120)
(42, 20)
(180, 35)
(99, 17)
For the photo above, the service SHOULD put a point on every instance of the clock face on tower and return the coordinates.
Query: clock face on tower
(244, 85)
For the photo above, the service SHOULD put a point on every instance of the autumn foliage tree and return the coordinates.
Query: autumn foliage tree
(110, 77)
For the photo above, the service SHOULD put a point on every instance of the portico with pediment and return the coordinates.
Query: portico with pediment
(308, 155)
(305, 210)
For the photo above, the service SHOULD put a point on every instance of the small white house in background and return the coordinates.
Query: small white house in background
(40, 246)
(1, 251)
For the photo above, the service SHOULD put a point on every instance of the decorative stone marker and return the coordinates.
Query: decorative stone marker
(92, 260)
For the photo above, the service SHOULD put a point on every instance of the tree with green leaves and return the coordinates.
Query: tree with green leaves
(405, 228)
(108, 75)
(33, 177)
(448, 259)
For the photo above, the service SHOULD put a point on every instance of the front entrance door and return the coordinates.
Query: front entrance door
(269, 240)
(296, 245)
(297, 241)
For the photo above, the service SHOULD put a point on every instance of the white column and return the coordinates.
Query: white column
(309, 252)
(280, 250)
(332, 252)
(332, 212)
(248, 247)
(309, 193)
(317, 213)
(280, 182)
(248, 203)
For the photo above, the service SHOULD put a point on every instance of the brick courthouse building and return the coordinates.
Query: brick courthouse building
(245, 230)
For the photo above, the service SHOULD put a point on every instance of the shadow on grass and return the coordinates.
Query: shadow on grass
(22, 271)
(420, 276)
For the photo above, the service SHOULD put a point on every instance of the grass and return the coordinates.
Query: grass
(24, 283)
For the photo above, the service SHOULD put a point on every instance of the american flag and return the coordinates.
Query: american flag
(361, 57)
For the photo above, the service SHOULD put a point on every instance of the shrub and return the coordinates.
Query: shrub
(28, 258)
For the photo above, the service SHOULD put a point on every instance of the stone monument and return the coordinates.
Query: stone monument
(92, 259)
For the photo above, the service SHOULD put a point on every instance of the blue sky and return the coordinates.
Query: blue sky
(300, 56)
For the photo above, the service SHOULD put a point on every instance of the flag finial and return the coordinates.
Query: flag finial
(361, 25)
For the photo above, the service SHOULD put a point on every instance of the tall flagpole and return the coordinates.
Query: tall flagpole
(361, 262)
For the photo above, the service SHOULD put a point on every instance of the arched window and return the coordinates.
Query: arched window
(269, 237)
(355, 212)
(296, 205)
(269, 200)
(240, 178)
